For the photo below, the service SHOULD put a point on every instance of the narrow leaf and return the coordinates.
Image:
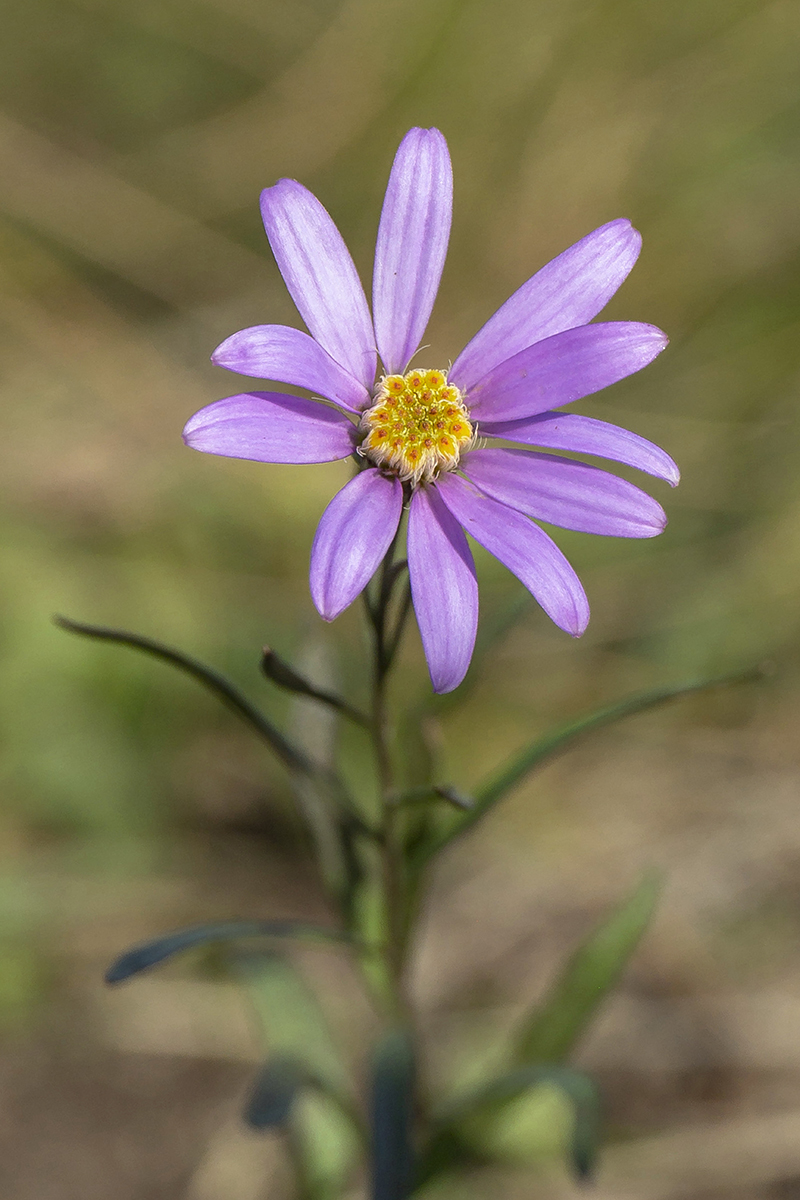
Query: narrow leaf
(289, 755)
(551, 1031)
(291, 1017)
(430, 794)
(453, 796)
(392, 1111)
(326, 1146)
(279, 672)
(152, 952)
(581, 1091)
(304, 771)
(547, 747)
(327, 1128)
(446, 1149)
(274, 1092)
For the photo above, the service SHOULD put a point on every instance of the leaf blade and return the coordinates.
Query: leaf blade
(283, 675)
(216, 683)
(156, 950)
(542, 749)
(553, 1028)
(274, 1092)
(487, 1102)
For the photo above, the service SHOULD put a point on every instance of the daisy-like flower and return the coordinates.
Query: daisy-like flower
(425, 437)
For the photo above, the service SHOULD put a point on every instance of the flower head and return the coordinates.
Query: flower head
(415, 433)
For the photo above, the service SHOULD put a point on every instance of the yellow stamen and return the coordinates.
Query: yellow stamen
(417, 427)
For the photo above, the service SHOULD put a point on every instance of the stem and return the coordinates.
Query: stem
(387, 635)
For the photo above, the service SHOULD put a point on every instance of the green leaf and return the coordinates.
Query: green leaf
(290, 756)
(274, 1093)
(545, 748)
(290, 1015)
(279, 672)
(156, 950)
(326, 1129)
(488, 1107)
(430, 794)
(391, 1117)
(325, 1144)
(327, 808)
(551, 1031)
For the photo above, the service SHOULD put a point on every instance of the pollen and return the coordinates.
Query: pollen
(417, 427)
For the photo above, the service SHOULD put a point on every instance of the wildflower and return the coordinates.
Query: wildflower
(424, 436)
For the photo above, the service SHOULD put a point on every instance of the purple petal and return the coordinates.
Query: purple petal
(563, 368)
(564, 492)
(412, 244)
(352, 537)
(524, 548)
(321, 276)
(585, 435)
(569, 291)
(290, 356)
(271, 427)
(444, 589)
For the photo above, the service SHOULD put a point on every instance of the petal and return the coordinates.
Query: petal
(585, 435)
(412, 244)
(565, 492)
(563, 368)
(444, 589)
(320, 275)
(290, 356)
(524, 548)
(271, 427)
(569, 291)
(352, 537)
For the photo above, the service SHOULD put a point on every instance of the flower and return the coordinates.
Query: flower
(425, 437)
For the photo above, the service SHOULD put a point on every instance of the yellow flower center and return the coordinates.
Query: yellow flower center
(417, 427)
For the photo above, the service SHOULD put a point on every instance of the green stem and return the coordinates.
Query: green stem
(387, 635)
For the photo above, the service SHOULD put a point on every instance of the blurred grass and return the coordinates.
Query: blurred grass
(133, 144)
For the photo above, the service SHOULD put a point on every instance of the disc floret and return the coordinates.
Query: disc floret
(417, 427)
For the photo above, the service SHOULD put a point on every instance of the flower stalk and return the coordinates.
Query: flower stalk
(386, 639)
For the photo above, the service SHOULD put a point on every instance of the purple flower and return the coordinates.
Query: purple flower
(428, 434)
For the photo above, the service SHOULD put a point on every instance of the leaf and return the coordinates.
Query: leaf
(327, 1145)
(551, 1031)
(324, 1138)
(542, 749)
(318, 789)
(430, 794)
(290, 1015)
(579, 1089)
(274, 1093)
(490, 1102)
(327, 1129)
(279, 672)
(156, 950)
(289, 755)
(391, 1117)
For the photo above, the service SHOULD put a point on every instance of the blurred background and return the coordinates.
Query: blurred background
(134, 140)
